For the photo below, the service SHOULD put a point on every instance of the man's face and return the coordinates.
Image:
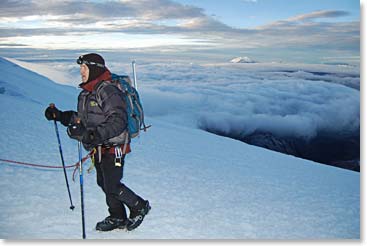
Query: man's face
(84, 72)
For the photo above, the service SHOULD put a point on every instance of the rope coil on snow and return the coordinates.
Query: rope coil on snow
(47, 166)
(36, 165)
(76, 165)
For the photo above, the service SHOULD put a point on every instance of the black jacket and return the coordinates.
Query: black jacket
(102, 108)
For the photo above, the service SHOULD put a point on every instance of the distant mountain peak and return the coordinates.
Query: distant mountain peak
(242, 59)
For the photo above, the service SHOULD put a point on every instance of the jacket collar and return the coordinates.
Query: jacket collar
(91, 85)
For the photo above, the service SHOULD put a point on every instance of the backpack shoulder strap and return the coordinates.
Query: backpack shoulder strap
(98, 91)
(102, 86)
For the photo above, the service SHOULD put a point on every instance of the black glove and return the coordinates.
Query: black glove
(91, 137)
(52, 113)
(76, 131)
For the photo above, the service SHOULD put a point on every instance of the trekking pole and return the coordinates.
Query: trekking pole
(134, 74)
(81, 186)
(62, 160)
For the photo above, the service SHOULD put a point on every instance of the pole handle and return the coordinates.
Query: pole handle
(52, 105)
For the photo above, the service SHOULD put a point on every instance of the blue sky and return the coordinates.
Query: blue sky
(265, 30)
(251, 13)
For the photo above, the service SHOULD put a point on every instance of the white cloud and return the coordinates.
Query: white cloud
(97, 41)
(93, 10)
(318, 14)
(237, 101)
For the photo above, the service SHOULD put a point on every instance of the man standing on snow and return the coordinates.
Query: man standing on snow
(100, 123)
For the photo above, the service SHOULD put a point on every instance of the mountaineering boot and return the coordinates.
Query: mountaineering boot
(137, 214)
(110, 223)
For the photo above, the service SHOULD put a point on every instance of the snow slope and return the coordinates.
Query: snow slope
(55, 72)
(201, 186)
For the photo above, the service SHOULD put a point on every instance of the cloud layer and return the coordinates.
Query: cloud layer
(76, 20)
(240, 101)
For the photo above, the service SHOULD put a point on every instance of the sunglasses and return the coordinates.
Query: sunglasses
(81, 61)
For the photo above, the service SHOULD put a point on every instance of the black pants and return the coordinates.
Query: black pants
(117, 194)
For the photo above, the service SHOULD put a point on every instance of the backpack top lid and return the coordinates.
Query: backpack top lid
(122, 78)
